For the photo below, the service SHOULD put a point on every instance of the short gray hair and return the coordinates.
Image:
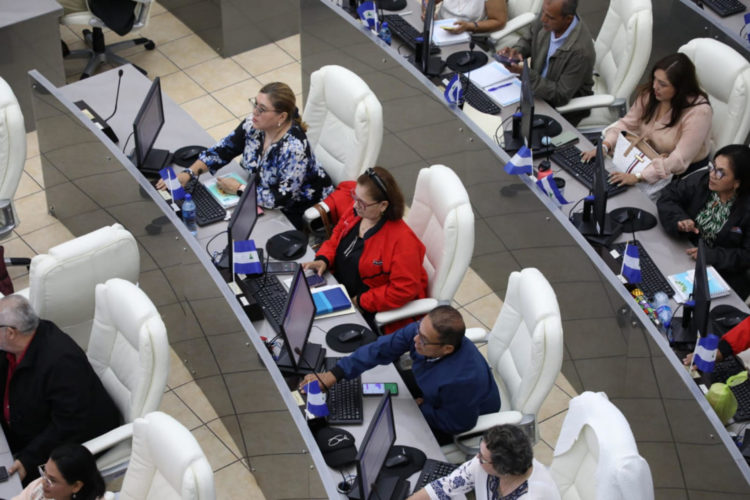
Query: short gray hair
(17, 312)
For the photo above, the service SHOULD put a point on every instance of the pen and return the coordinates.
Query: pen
(499, 87)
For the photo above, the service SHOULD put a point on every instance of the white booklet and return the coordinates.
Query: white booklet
(442, 36)
(683, 284)
(498, 82)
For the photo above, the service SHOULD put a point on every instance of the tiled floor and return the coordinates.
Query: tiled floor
(215, 92)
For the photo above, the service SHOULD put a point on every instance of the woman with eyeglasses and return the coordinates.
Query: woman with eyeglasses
(69, 473)
(503, 469)
(714, 205)
(272, 143)
(373, 252)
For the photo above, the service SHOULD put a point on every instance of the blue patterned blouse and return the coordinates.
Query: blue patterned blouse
(289, 176)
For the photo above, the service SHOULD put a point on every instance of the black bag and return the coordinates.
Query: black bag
(118, 15)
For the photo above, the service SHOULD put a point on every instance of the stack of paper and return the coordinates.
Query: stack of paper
(500, 84)
(683, 284)
(442, 36)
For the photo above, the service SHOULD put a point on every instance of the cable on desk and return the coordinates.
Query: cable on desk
(502, 124)
(570, 212)
(319, 328)
(126, 142)
(210, 255)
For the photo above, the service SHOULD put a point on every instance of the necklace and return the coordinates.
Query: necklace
(268, 142)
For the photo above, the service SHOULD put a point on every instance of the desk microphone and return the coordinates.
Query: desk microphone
(298, 351)
(117, 96)
(89, 112)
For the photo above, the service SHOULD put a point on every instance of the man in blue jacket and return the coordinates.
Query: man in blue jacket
(455, 382)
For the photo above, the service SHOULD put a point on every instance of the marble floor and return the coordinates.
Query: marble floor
(215, 92)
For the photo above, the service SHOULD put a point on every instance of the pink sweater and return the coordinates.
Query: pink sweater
(684, 143)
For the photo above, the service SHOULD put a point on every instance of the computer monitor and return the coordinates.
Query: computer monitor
(146, 127)
(380, 436)
(695, 319)
(241, 224)
(594, 222)
(527, 106)
(428, 65)
(295, 329)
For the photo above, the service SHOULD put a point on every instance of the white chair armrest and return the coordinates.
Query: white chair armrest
(477, 335)
(413, 308)
(490, 420)
(513, 25)
(108, 495)
(312, 213)
(587, 102)
(111, 438)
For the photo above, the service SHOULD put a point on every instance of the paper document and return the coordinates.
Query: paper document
(442, 37)
(683, 284)
(227, 200)
(498, 82)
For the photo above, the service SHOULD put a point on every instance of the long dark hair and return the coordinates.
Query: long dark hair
(381, 185)
(76, 463)
(739, 161)
(681, 74)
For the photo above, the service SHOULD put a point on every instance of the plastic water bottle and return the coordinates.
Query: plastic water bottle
(385, 33)
(663, 311)
(188, 214)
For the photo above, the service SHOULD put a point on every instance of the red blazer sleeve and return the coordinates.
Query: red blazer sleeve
(739, 336)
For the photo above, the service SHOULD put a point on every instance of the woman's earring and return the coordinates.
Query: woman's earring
(279, 125)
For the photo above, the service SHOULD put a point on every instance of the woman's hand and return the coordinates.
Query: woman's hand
(182, 177)
(460, 27)
(319, 266)
(692, 252)
(687, 360)
(687, 226)
(228, 185)
(589, 155)
(623, 179)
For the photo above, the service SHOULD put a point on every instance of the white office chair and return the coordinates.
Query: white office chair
(129, 351)
(98, 52)
(441, 217)
(166, 463)
(596, 456)
(525, 351)
(623, 47)
(62, 281)
(725, 76)
(345, 125)
(521, 13)
(12, 155)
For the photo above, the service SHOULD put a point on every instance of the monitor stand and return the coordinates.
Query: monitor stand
(542, 126)
(313, 357)
(155, 160)
(385, 488)
(680, 327)
(584, 222)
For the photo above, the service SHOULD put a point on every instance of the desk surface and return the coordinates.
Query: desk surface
(14, 12)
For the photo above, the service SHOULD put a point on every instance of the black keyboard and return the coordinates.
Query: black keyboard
(568, 157)
(742, 394)
(476, 97)
(207, 209)
(407, 33)
(725, 8)
(344, 399)
(652, 280)
(271, 296)
(725, 369)
(432, 470)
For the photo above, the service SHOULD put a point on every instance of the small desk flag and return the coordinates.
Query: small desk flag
(454, 91)
(631, 264)
(549, 187)
(368, 14)
(521, 163)
(705, 352)
(316, 400)
(245, 258)
(173, 185)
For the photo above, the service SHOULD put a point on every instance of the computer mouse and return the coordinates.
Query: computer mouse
(293, 249)
(354, 333)
(539, 122)
(396, 460)
(186, 156)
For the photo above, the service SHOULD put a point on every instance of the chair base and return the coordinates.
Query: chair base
(98, 53)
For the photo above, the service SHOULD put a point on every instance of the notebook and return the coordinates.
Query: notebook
(227, 200)
(683, 284)
(497, 82)
(442, 37)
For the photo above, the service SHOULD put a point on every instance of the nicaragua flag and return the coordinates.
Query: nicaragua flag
(245, 258)
(454, 91)
(368, 14)
(316, 400)
(549, 187)
(705, 352)
(631, 264)
(521, 163)
(173, 185)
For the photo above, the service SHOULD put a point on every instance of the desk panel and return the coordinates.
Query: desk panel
(609, 344)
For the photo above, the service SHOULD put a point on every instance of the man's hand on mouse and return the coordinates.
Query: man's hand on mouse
(327, 378)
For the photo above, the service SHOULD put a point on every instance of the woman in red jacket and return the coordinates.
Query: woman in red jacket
(373, 252)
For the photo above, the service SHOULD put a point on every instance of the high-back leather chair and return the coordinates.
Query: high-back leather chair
(725, 76)
(623, 47)
(12, 151)
(441, 217)
(596, 456)
(129, 351)
(521, 13)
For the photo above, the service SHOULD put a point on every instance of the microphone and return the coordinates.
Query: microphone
(545, 168)
(465, 83)
(117, 96)
(344, 486)
(298, 351)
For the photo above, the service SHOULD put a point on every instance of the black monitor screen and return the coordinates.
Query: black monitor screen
(429, 15)
(599, 189)
(701, 295)
(380, 436)
(298, 318)
(527, 106)
(148, 123)
(245, 213)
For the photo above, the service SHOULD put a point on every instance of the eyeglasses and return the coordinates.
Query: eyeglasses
(43, 473)
(423, 339)
(482, 460)
(360, 202)
(719, 174)
(259, 109)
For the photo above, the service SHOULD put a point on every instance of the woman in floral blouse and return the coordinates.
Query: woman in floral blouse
(504, 469)
(273, 145)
